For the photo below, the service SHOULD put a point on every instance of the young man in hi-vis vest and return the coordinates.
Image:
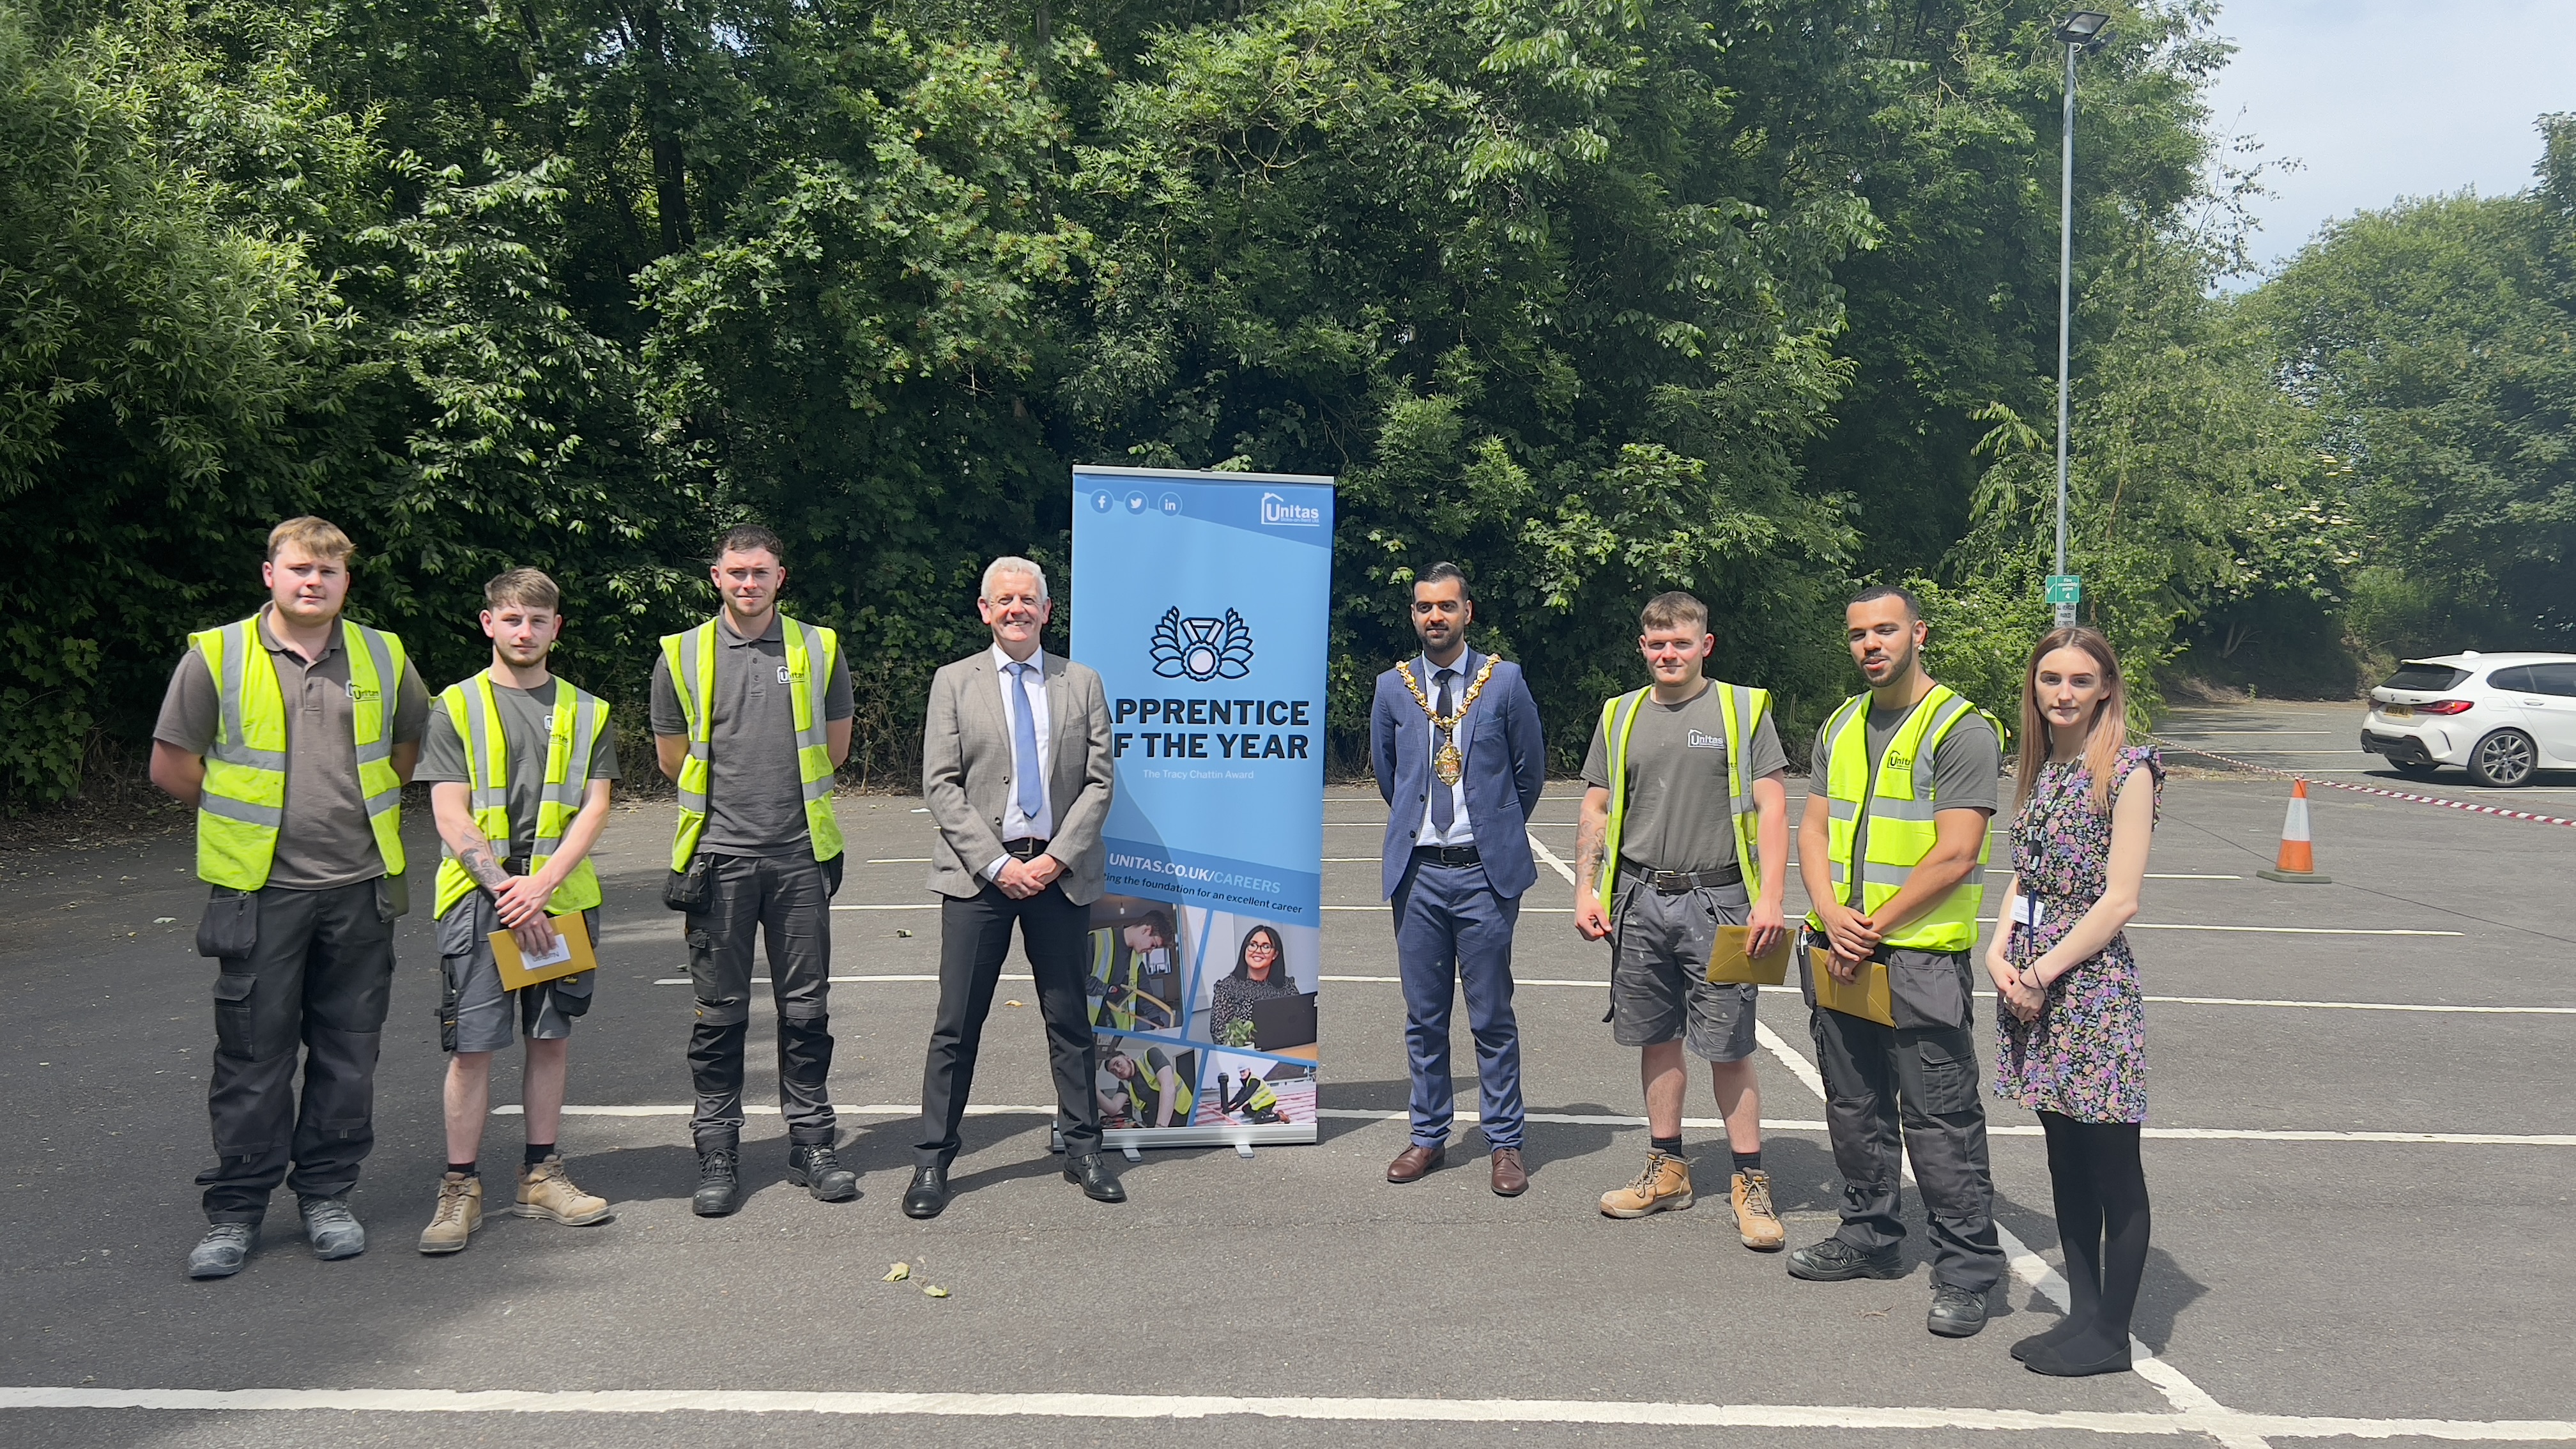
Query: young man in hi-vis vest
(1892, 850)
(292, 732)
(1685, 828)
(751, 717)
(519, 765)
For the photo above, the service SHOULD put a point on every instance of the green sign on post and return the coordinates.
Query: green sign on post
(2065, 589)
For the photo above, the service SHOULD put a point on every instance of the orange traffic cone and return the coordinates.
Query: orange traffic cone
(2298, 860)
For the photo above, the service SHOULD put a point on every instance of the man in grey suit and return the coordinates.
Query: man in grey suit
(1015, 763)
(1461, 759)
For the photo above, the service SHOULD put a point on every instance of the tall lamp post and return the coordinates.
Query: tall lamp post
(2082, 31)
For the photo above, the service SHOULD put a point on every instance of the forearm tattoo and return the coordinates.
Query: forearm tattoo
(1587, 852)
(487, 872)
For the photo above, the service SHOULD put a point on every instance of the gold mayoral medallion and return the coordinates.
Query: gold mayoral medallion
(1447, 762)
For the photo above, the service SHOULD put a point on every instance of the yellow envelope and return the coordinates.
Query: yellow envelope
(1865, 997)
(1729, 963)
(571, 956)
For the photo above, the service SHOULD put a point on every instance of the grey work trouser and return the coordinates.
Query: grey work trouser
(1911, 1089)
(314, 985)
(784, 902)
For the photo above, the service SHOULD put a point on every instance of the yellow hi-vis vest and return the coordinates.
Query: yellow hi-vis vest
(244, 799)
(571, 734)
(1743, 708)
(1900, 810)
(691, 658)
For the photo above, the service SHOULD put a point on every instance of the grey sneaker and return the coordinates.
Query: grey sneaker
(221, 1253)
(1834, 1260)
(333, 1230)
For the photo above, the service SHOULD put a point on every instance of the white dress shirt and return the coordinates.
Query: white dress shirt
(1460, 832)
(1016, 826)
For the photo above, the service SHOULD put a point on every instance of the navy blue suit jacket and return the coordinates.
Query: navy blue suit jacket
(1506, 769)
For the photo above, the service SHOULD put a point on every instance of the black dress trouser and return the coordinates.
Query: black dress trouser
(974, 937)
(313, 988)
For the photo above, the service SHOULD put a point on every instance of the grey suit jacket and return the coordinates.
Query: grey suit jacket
(966, 773)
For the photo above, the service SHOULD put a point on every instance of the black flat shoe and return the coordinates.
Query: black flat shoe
(928, 1195)
(1093, 1175)
(2056, 1361)
(2049, 1338)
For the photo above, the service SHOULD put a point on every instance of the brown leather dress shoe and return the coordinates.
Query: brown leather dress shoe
(1415, 1162)
(1510, 1178)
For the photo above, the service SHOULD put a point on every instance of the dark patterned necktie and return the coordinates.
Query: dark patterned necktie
(1444, 805)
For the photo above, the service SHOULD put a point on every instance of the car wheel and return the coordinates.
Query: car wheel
(2503, 760)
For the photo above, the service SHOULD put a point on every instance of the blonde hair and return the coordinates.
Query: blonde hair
(1675, 610)
(319, 537)
(527, 588)
(2103, 739)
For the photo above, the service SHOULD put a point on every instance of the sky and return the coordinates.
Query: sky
(2379, 99)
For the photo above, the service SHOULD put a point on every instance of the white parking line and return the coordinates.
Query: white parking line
(1601, 1119)
(2203, 1416)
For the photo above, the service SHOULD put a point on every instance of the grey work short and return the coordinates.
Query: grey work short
(1659, 988)
(484, 1014)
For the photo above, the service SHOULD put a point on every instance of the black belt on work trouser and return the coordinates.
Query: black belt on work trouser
(1676, 882)
(1024, 849)
(1447, 855)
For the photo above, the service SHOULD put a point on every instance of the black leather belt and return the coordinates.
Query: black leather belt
(1447, 855)
(514, 864)
(1024, 849)
(1677, 882)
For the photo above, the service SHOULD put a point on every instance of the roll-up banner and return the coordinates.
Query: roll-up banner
(1204, 600)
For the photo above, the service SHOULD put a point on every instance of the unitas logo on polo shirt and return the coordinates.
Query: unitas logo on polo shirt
(783, 676)
(1699, 740)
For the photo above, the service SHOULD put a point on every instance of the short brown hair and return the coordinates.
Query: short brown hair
(527, 588)
(750, 538)
(319, 537)
(1675, 610)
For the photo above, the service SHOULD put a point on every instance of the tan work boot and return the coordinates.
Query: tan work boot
(1663, 1187)
(460, 1212)
(1755, 1222)
(547, 1191)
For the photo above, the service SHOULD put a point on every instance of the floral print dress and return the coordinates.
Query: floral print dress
(2086, 1056)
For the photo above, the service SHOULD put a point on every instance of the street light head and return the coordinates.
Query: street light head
(2083, 27)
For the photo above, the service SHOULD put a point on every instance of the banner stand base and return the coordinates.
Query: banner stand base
(1126, 1140)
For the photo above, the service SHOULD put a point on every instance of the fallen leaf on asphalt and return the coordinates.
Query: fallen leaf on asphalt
(1015, 1003)
(163, 920)
(907, 935)
(898, 1273)
(934, 1291)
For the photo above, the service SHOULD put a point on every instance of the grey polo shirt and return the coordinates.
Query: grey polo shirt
(527, 732)
(1678, 813)
(324, 840)
(1967, 771)
(755, 793)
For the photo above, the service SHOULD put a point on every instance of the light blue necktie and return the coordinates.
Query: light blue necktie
(1024, 746)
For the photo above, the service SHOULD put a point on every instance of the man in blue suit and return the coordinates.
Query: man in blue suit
(1454, 738)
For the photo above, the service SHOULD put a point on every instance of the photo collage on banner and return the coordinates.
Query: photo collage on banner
(1202, 599)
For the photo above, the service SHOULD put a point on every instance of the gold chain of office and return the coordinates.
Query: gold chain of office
(1447, 762)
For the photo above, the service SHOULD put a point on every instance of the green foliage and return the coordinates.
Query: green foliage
(1597, 299)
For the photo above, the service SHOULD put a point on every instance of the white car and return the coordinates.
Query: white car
(2502, 717)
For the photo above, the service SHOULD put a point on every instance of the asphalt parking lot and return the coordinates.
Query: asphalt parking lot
(2362, 1149)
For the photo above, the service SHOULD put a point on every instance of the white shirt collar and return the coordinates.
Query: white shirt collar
(1002, 661)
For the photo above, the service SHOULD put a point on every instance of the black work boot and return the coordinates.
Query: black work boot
(1956, 1312)
(1834, 1260)
(719, 1182)
(817, 1168)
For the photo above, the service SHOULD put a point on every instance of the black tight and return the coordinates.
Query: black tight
(2102, 1221)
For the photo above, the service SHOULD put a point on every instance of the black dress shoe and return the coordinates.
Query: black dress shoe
(719, 1183)
(1093, 1175)
(818, 1170)
(928, 1195)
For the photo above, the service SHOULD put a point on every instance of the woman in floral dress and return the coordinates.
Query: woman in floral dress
(2073, 1023)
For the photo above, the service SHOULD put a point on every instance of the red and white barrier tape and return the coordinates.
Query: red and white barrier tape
(2364, 789)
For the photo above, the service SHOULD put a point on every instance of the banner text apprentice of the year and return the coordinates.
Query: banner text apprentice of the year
(1220, 745)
